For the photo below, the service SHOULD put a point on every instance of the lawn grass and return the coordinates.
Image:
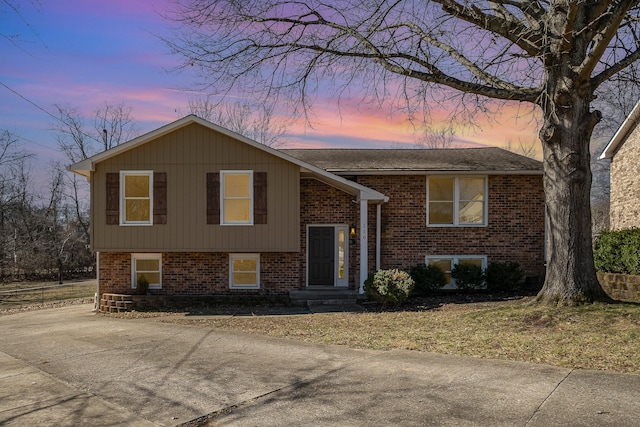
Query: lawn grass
(28, 294)
(598, 336)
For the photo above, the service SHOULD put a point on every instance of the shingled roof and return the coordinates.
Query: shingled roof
(360, 161)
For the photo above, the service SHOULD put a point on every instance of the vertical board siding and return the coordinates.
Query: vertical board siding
(187, 155)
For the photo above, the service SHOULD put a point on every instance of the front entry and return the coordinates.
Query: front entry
(326, 256)
(321, 256)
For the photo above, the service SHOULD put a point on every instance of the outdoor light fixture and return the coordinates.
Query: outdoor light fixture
(352, 232)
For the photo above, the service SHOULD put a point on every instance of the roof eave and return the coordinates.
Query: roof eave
(83, 168)
(621, 134)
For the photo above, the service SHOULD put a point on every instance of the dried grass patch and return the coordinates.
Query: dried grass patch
(597, 336)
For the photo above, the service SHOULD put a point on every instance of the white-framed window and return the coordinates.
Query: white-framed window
(147, 267)
(447, 262)
(236, 197)
(456, 200)
(136, 197)
(244, 271)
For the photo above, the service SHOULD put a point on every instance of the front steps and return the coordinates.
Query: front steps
(325, 297)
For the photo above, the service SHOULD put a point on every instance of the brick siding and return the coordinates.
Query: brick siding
(514, 232)
(515, 229)
(200, 273)
(322, 204)
(625, 184)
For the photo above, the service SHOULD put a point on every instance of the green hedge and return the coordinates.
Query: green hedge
(618, 251)
(427, 279)
(468, 276)
(503, 276)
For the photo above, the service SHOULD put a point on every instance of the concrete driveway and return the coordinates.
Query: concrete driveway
(68, 366)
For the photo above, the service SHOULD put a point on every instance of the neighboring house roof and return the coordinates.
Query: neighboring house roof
(622, 133)
(489, 160)
(85, 167)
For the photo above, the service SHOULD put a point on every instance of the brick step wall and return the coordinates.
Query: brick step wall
(115, 303)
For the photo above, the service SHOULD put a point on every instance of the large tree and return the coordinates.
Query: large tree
(551, 54)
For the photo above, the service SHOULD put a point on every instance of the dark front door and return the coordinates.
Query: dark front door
(321, 256)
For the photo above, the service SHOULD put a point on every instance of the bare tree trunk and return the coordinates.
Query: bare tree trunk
(571, 276)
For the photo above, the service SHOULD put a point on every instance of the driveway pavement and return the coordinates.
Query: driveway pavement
(71, 367)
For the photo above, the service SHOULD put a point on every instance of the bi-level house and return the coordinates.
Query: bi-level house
(196, 209)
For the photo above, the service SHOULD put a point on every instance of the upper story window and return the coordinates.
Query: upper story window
(236, 195)
(456, 201)
(137, 197)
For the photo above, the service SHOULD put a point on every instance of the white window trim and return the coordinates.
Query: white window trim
(233, 257)
(455, 259)
(456, 201)
(136, 256)
(222, 211)
(123, 204)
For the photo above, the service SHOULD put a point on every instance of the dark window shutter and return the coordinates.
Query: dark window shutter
(159, 197)
(213, 198)
(259, 197)
(113, 198)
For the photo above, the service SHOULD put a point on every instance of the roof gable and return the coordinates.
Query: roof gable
(85, 167)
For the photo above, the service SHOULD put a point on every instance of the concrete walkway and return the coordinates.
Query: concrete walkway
(70, 367)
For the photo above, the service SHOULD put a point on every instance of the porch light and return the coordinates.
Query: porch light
(352, 232)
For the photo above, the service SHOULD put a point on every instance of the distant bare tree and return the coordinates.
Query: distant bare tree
(12, 158)
(256, 123)
(522, 148)
(110, 125)
(436, 136)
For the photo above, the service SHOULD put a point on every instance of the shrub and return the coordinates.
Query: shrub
(618, 251)
(607, 254)
(468, 276)
(390, 287)
(503, 276)
(631, 252)
(427, 278)
(143, 285)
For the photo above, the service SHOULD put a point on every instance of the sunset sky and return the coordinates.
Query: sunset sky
(85, 53)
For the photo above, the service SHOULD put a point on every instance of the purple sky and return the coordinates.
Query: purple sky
(85, 53)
